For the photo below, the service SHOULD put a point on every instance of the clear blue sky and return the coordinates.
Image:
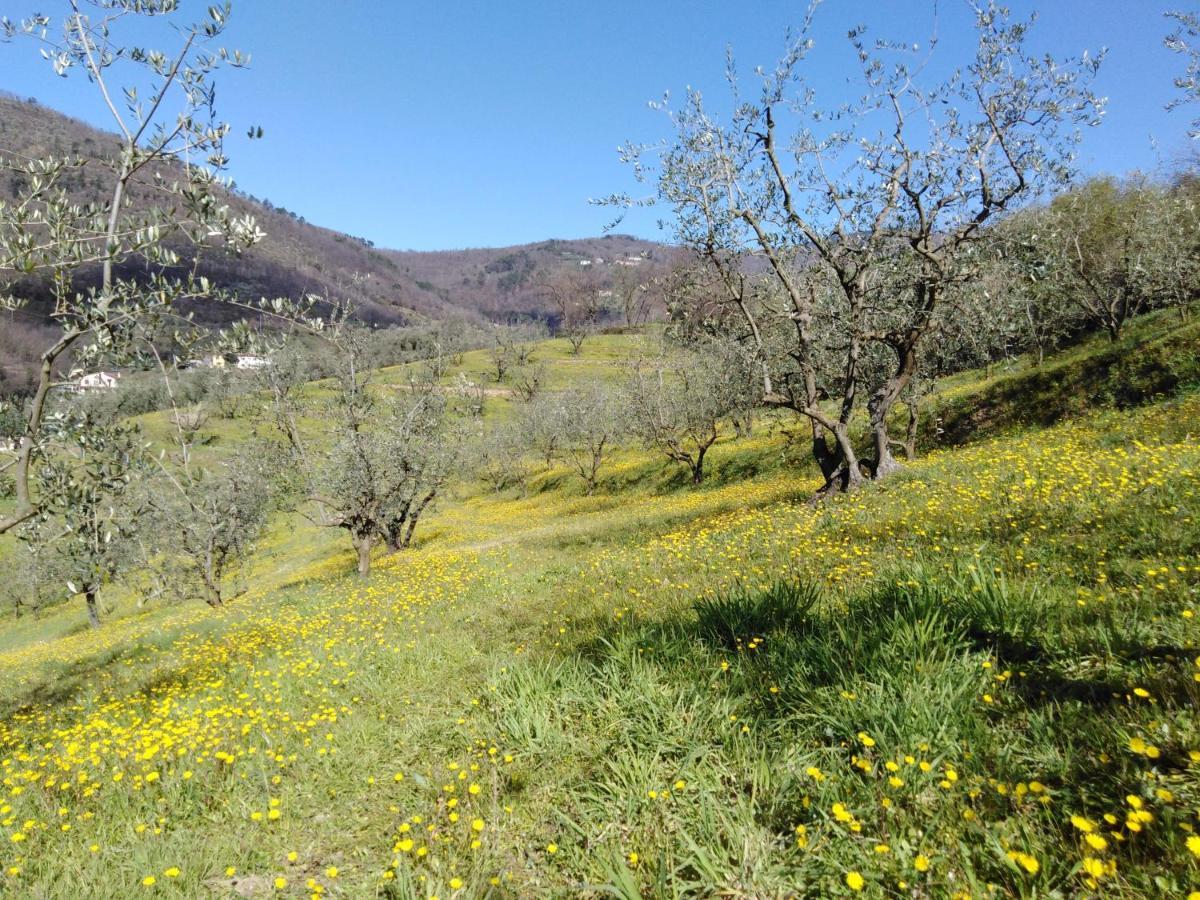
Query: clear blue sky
(432, 125)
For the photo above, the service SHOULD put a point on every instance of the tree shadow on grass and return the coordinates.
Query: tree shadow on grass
(799, 636)
(65, 683)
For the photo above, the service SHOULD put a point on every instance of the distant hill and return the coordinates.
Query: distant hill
(297, 257)
(502, 282)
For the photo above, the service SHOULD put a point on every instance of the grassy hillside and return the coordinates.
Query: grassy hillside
(1155, 358)
(978, 678)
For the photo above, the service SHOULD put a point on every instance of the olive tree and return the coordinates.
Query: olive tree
(1178, 223)
(283, 380)
(424, 449)
(865, 213)
(499, 454)
(35, 577)
(586, 422)
(377, 483)
(677, 401)
(1024, 308)
(115, 266)
(353, 485)
(385, 458)
(540, 425)
(207, 511)
(1185, 40)
(210, 516)
(528, 381)
(87, 520)
(1102, 245)
(502, 354)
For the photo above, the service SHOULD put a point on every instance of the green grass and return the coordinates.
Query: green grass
(658, 690)
(1158, 356)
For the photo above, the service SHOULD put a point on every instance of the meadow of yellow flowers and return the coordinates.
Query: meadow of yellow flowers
(978, 679)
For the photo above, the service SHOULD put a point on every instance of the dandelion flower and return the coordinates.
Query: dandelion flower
(1094, 867)
(1087, 826)
(1096, 842)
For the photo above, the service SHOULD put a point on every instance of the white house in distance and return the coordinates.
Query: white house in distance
(95, 381)
(243, 361)
(251, 361)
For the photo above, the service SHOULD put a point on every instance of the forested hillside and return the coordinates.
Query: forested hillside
(512, 281)
(298, 258)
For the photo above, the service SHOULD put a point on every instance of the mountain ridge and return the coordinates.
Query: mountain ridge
(389, 287)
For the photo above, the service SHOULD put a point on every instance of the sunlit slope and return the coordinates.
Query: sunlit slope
(979, 676)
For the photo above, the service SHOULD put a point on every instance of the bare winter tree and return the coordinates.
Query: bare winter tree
(633, 288)
(578, 300)
(865, 214)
